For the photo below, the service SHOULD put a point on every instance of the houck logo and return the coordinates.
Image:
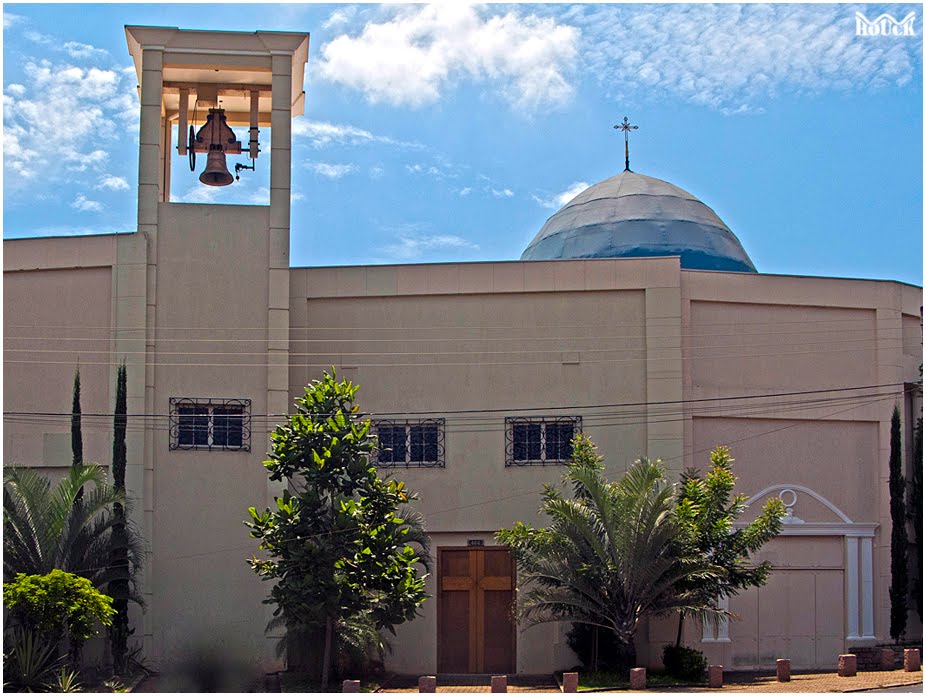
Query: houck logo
(884, 25)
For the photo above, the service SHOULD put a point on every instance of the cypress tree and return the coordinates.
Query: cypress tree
(916, 514)
(77, 439)
(119, 585)
(899, 581)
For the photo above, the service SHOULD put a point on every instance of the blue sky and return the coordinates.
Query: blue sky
(452, 132)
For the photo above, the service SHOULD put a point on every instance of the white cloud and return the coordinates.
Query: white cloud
(503, 193)
(85, 205)
(261, 196)
(113, 183)
(332, 171)
(412, 246)
(340, 17)
(377, 172)
(321, 134)
(558, 200)
(412, 57)
(197, 194)
(63, 112)
(733, 58)
(444, 171)
(465, 191)
(9, 19)
(294, 196)
(80, 51)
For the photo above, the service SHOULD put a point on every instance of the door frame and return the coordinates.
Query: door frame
(514, 585)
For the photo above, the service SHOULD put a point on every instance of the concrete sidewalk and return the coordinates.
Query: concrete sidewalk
(736, 682)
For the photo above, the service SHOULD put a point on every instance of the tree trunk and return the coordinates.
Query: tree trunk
(595, 630)
(626, 655)
(326, 659)
(678, 638)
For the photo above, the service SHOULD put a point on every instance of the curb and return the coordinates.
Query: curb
(136, 682)
(886, 686)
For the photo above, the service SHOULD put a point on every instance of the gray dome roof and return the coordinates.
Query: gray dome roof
(635, 215)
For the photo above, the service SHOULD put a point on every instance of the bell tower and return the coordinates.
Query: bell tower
(211, 300)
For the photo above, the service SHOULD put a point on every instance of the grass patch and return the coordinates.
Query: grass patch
(619, 680)
(298, 682)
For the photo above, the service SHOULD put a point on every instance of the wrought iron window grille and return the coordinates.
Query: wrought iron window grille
(543, 441)
(409, 443)
(210, 424)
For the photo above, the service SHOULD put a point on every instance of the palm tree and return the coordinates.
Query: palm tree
(611, 556)
(46, 528)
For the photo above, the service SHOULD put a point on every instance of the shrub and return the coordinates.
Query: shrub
(684, 663)
(58, 605)
(29, 661)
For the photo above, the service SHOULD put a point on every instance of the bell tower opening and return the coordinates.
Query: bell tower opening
(211, 102)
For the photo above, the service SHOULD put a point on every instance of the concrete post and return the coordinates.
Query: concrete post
(888, 659)
(427, 685)
(783, 670)
(715, 676)
(911, 660)
(638, 678)
(570, 682)
(847, 665)
(500, 684)
(350, 686)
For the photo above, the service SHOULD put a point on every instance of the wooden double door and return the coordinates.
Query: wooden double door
(475, 619)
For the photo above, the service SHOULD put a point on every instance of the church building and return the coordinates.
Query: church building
(635, 315)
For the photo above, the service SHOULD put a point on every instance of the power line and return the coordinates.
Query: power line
(620, 404)
(327, 364)
(670, 321)
(407, 339)
(343, 354)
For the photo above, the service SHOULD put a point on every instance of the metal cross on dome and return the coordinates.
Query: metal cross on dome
(626, 127)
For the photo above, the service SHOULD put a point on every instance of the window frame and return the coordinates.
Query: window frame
(180, 410)
(408, 426)
(511, 445)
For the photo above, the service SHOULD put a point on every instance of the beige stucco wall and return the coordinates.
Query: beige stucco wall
(58, 313)
(615, 323)
(778, 334)
(211, 332)
(201, 293)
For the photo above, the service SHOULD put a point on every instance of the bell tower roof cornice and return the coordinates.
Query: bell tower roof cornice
(227, 62)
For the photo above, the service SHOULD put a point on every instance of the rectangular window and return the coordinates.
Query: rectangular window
(540, 441)
(418, 443)
(210, 424)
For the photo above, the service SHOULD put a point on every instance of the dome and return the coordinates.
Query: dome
(635, 215)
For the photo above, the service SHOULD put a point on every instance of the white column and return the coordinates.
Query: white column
(868, 617)
(852, 587)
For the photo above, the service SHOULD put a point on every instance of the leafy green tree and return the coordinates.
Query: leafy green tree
(611, 556)
(338, 546)
(915, 512)
(899, 578)
(58, 605)
(121, 569)
(47, 528)
(707, 505)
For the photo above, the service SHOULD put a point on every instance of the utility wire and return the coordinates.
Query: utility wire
(512, 496)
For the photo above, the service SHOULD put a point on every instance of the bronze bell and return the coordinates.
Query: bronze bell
(216, 139)
(216, 172)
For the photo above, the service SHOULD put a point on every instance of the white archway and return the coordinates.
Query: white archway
(859, 537)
